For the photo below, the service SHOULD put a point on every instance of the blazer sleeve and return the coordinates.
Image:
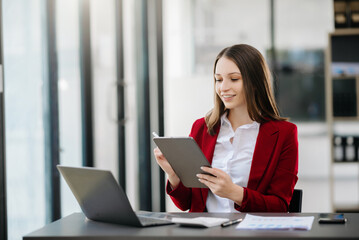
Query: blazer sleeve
(277, 196)
(181, 196)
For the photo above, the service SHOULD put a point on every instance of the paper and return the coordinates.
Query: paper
(200, 221)
(276, 223)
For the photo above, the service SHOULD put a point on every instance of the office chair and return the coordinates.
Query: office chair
(295, 205)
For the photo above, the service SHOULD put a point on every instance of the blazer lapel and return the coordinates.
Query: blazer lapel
(210, 146)
(266, 141)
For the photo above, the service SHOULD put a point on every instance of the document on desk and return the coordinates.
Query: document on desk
(276, 223)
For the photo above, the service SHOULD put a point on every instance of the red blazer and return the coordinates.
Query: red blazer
(273, 173)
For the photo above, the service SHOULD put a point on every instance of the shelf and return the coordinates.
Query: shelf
(345, 162)
(346, 119)
(346, 208)
(345, 31)
(342, 98)
(344, 77)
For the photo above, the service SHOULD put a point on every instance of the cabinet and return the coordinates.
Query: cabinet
(342, 115)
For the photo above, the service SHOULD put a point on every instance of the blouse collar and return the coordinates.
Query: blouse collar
(225, 122)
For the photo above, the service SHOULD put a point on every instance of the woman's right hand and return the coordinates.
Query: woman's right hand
(164, 164)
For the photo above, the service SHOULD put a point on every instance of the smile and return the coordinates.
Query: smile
(228, 96)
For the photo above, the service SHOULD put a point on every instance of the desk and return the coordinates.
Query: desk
(76, 226)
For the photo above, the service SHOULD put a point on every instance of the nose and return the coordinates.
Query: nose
(226, 85)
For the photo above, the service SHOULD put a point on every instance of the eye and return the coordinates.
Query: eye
(218, 80)
(234, 79)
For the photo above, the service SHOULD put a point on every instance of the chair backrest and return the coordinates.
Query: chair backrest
(295, 204)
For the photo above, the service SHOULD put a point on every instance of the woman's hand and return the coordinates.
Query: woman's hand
(162, 161)
(221, 184)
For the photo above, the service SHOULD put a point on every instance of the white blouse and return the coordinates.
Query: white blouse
(233, 158)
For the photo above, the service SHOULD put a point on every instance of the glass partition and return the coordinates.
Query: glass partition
(103, 49)
(23, 61)
(69, 87)
(301, 36)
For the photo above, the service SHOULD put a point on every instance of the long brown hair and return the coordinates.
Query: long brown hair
(261, 104)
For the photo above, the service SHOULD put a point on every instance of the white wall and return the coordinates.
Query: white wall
(314, 167)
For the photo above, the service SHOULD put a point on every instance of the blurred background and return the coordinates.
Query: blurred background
(87, 81)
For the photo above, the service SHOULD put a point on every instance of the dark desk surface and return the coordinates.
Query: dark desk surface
(76, 226)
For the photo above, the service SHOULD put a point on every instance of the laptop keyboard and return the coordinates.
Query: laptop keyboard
(146, 221)
(160, 215)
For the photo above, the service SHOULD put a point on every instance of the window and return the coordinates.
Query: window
(69, 92)
(24, 128)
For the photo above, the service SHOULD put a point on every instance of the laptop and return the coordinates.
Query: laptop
(102, 199)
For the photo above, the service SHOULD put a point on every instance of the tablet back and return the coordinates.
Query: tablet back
(185, 157)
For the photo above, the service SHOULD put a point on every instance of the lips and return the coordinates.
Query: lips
(228, 96)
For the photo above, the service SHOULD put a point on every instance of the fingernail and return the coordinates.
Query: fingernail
(197, 175)
(202, 168)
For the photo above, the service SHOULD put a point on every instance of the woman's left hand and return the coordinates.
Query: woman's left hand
(221, 184)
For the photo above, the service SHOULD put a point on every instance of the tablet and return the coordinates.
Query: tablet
(185, 157)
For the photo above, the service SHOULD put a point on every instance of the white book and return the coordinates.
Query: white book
(200, 221)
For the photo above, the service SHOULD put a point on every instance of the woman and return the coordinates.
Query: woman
(253, 151)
